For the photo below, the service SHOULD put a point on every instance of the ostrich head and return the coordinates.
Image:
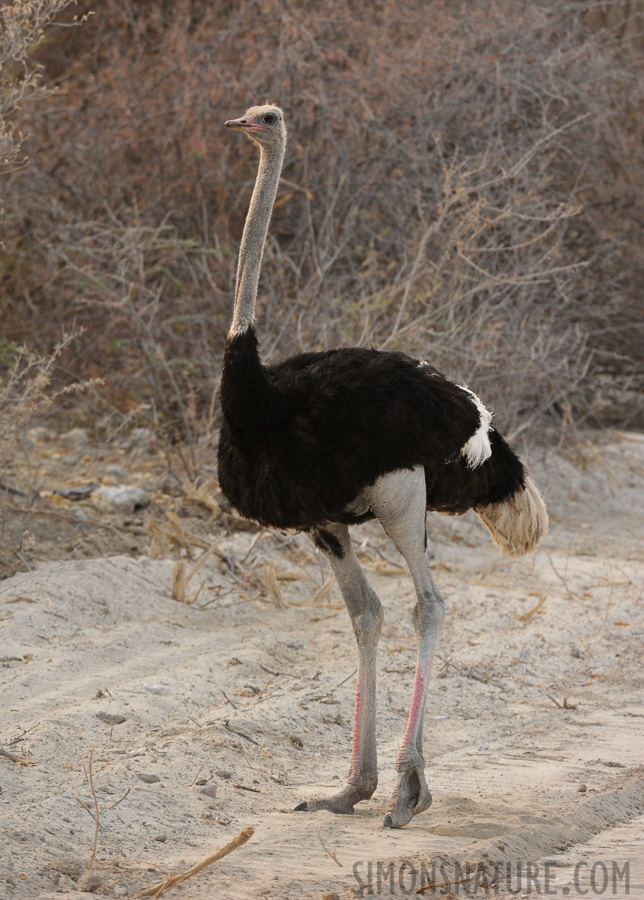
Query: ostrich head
(262, 124)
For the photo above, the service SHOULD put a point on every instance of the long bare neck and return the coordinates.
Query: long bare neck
(254, 237)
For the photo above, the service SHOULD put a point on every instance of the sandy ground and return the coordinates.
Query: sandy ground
(209, 717)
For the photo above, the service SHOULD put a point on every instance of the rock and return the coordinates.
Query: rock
(122, 499)
(159, 689)
(161, 838)
(114, 471)
(39, 434)
(90, 881)
(75, 440)
(582, 788)
(210, 790)
(141, 440)
(69, 866)
(170, 483)
(149, 778)
(111, 718)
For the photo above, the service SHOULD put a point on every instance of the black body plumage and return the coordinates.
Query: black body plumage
(301, 439)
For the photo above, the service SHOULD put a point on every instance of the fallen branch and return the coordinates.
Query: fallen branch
(157, 890)
(91, 784)
(566, 704)
(525, 617)
(114, 805)
(21, 760)
(437, 884)
(331, 853)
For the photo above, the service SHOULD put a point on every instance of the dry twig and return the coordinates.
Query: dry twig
(91, 784)
(525, 617)
(21, 760)
(331, 853)
(157, 890)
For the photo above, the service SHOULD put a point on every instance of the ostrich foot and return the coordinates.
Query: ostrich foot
(342, 802)
(411, 796)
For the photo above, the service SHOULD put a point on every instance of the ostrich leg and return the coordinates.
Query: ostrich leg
(398, 500)
(366, 618)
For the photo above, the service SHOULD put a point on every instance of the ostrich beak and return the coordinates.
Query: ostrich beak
(245, 124)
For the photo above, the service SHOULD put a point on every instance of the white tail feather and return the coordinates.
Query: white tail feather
(478, 448)
(518, 523)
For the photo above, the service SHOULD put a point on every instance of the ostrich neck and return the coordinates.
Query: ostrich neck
(250, 403)
(254, 238)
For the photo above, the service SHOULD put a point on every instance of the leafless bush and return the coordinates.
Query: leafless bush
(460, 183)
(25, 375)
(24, 389)
(22, 24)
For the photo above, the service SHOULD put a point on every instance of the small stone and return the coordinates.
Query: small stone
(111, 718)
(295, 645)
(169, 483)
(69, 866)
(39, 434)
(75, 440)
(90, 881)
(140, 440)
(122, 499)
(156, 689)
(161, 838)
(582, 788)
(296, 741)
(210, 790)
(330, 895)
(114, 471)
(149, 778)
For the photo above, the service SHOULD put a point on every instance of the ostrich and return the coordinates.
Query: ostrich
(323, 441)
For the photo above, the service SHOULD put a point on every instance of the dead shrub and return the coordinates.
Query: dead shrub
(460, 183)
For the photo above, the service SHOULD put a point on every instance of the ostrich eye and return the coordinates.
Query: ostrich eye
(270, 119)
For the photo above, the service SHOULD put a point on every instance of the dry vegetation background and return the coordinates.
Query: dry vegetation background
(463, 181)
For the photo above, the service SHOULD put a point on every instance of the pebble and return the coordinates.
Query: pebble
(156, 688)
(117, 472)
(582, 788)
(69, 866)
(39, 434)
(149, 778)
(90, 881)
(210, 790)
(75, 440)
(123, 499)
(140, 440)
(111, 718)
